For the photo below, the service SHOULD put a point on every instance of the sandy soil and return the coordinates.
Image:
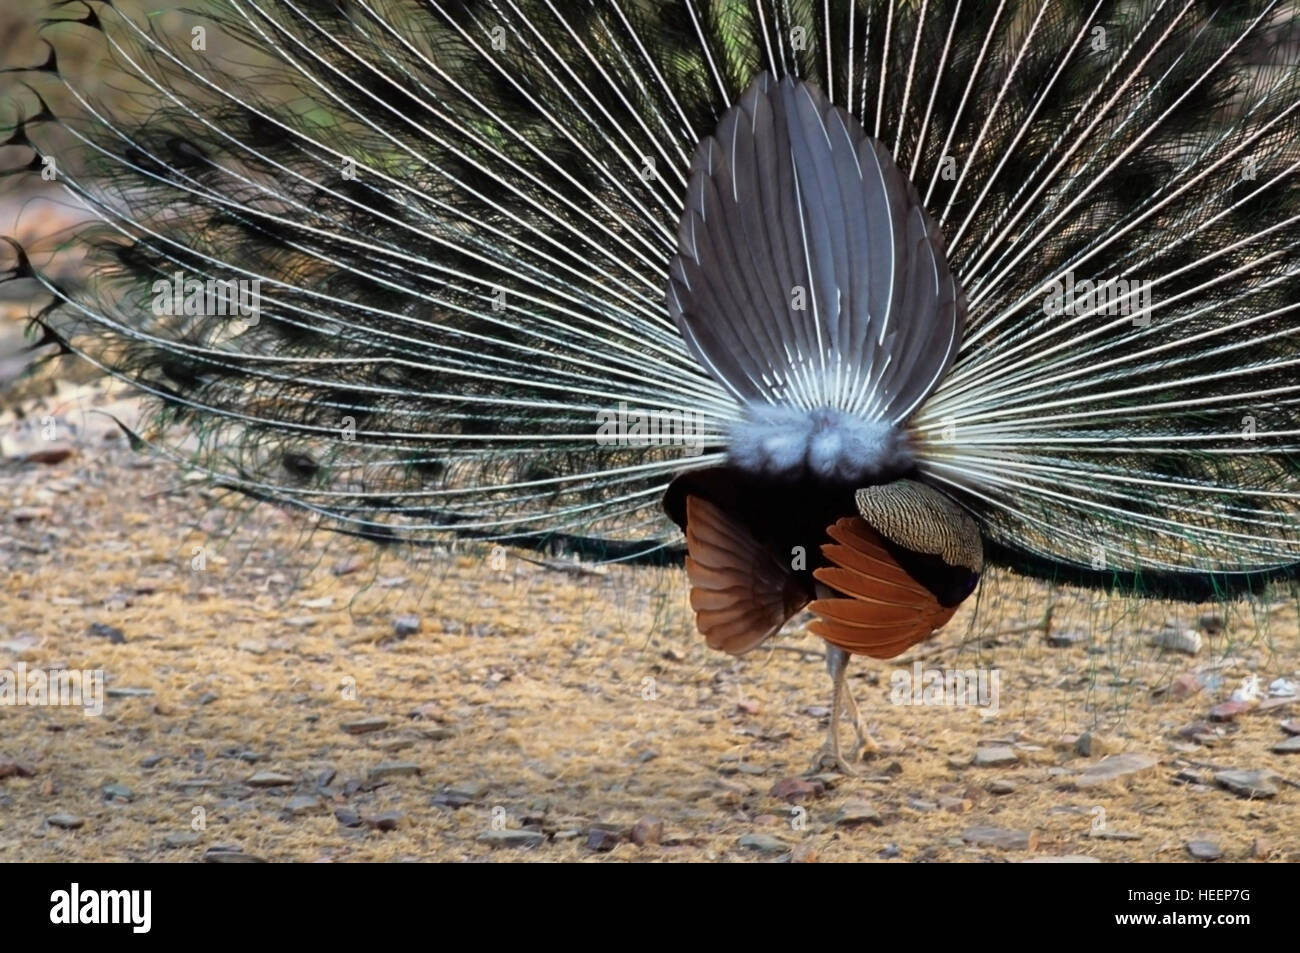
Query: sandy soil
(556, 708)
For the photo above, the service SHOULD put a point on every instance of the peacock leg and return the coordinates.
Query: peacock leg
(837, 665)
(867, 745)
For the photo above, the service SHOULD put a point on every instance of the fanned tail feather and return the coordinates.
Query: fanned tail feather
(461, 221)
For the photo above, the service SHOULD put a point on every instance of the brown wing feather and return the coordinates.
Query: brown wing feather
(870, 588)
(887, 611)
(740, 593)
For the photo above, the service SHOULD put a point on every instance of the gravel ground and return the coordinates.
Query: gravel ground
(280, 693)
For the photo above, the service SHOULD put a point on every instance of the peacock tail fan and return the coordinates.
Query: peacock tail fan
(404, 264)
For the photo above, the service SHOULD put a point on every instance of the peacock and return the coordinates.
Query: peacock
(839, 303)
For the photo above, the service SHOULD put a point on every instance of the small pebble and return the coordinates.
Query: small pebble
(1175, 639)
(405, 626)
(1062, 859)
(302, 804)
(101, 631)
(471, 790)
(1270, 704)
(512, 838)
(448, 799)
(982, 836)
(994, 756)
(856, 813)
(229, 855)
(363, 725)
(602, 839)
(792, 790)
(387, 821)
(648, 830)
(347, 817)
(269, 779)
(393, 769)
(763, 843)
(1115, 767)
(1227, 711)
(1251, 784)
(1289, 746)
(1108, 834)
(1283, 688)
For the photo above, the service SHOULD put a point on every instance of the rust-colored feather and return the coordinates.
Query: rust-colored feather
(886, 610)
(740, 593)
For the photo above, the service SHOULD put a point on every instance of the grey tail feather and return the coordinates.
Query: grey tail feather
(809, 278)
